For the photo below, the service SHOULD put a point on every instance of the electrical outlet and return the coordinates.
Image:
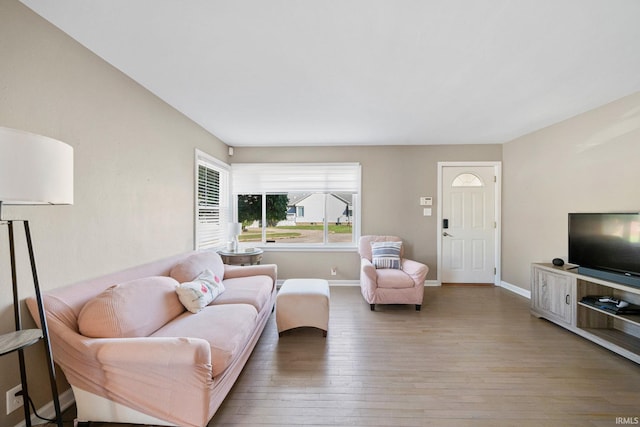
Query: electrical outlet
(334, 271)
(14, 402)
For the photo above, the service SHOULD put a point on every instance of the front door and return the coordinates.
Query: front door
(468, 229)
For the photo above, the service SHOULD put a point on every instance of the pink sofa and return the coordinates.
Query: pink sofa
(148, 360)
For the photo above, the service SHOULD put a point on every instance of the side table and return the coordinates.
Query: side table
(241, 257)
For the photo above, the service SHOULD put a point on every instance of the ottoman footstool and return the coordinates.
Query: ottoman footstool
(303, 302)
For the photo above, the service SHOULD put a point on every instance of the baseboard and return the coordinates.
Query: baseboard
(516, 289)
(344, 283)
(331, 283)
(337, 283)
(48, 411)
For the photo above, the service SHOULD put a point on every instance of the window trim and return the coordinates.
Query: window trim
(322, 246)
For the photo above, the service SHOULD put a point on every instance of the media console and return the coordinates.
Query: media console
(556, 295)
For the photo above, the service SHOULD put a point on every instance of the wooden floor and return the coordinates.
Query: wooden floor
(473, 356)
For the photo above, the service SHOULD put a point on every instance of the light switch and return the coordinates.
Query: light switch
(426, 212)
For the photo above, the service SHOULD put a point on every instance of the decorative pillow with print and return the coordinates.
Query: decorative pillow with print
(199, 293)
(386, 254)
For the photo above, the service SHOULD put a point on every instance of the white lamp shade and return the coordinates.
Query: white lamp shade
(235, 228)
(34, 169)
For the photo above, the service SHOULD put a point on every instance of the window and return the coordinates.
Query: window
(467, 180)
(212, 201)
(297, 204)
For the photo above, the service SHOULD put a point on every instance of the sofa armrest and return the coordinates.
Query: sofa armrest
(178, 370)
(368, 277)
(416, 270)
(235, 271)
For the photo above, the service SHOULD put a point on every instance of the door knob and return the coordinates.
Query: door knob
(445, 234)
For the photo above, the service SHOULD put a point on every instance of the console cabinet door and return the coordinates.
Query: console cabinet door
(553, 295)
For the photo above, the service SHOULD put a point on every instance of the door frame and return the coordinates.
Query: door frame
(497, 169)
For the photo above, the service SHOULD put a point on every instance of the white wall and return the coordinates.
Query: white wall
(313, 209)
(134, 169)
(586, 163)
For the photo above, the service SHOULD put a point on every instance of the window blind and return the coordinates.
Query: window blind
(212, 202)
(250, 178)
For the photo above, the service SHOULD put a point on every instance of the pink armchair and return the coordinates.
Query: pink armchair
(390, 285)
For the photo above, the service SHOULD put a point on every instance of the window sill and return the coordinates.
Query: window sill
(307, 248)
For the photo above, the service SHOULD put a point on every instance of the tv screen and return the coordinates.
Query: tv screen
(605, 241)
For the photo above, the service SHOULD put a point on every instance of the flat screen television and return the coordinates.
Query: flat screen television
(606, 245)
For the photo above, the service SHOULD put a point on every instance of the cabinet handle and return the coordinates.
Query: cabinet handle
(566, 300)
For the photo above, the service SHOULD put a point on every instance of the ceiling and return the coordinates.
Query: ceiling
(366, 72)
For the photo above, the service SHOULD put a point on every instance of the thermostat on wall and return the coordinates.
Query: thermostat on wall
(426, 201)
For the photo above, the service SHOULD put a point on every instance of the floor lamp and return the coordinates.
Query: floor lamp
(34, 170)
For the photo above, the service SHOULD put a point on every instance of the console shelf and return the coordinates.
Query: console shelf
(556, 295)
(616, 338)
(634, 319)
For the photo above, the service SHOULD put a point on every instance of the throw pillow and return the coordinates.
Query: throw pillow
(133, 309)
(188, 269)
(386, 254)
(197, 294)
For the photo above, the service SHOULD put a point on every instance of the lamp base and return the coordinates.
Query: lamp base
(29, 337)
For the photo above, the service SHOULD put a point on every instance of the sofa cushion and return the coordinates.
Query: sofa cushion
(386, 254)
(396, 279)
(227, 328)
(254, 290)
(132, 309)
(197, 294)
(190, 268)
